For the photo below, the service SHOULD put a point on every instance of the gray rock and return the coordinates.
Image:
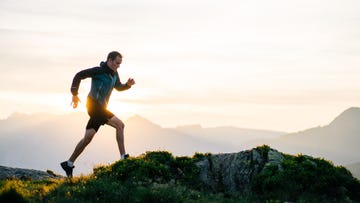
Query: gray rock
(233, 172)
(275, 158)
(26, 174)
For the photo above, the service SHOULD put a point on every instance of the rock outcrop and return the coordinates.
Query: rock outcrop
(233, 172)
(26, 174)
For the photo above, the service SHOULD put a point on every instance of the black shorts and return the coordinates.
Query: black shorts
(98, 114)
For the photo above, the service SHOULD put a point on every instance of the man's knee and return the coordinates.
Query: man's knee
(117, 123)
(120, 125)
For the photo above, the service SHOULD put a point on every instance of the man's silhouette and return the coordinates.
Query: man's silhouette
(103, 80)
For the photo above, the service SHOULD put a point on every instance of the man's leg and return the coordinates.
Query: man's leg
(119, 126)
(89, 134)
(68, 165)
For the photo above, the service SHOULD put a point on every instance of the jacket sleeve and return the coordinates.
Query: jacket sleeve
(82, 75)
(119, 86)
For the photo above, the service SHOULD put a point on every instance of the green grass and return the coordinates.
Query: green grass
(160, 177)
(26, 191)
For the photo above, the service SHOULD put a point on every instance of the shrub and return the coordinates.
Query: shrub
(161, 157)
(306, 177)
(12, 195)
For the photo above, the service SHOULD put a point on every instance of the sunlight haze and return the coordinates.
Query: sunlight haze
(277, 65)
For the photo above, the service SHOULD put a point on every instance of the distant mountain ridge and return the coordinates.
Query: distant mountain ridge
(41, 141)
(337, 141)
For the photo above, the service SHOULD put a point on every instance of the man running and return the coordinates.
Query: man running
(103, 80)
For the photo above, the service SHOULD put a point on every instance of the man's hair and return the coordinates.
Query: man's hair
(112, 55)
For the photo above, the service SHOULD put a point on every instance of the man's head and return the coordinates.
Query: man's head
(114, 60)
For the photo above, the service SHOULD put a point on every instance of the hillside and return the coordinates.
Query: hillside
(257, 175)
(337, 141)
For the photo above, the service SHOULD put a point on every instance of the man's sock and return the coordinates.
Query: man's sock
(124, 156)
(70, 163)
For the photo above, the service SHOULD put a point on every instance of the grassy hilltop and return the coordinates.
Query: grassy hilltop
(160, 177)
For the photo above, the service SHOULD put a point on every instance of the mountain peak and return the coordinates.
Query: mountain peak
(349, 117)
(140, 121)
(137, 117)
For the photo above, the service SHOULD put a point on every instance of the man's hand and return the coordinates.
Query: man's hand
(75, 101)
(130, 82)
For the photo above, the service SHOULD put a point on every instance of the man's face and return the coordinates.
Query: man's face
(114, 64)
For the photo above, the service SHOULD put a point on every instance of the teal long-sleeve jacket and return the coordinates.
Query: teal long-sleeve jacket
(103, 81)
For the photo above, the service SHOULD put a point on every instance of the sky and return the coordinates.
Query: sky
(264, 64)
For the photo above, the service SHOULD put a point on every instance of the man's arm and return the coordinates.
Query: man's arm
(121, 87)
(76, 83)
(82, 75)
